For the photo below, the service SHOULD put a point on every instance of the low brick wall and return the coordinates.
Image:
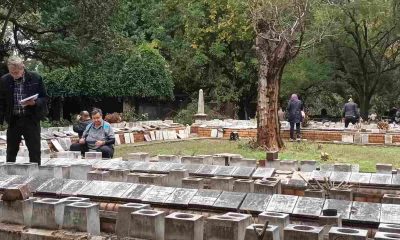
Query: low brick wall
(312, 135)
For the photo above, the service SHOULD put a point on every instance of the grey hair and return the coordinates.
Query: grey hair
(15, 60)
(97, 111)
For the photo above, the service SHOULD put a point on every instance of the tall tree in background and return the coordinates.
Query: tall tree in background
(366, 47)
(280, 27)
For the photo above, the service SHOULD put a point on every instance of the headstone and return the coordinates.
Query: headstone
(384, 168)
(388, 139)
(73, 187)
(207, 170)
(53, 187)
(204, 198)
(225, 171)
(365, 212)
(343, 207)
(307, 206)
(158, 194)
(181, 196)
(127, 138)
(93, 189)
(255, 202)
(282, 203)
(347, 138)
(137, 192)
(263, 172)
(115, 190)
(381, 179)
(229, 200)
(243, 172)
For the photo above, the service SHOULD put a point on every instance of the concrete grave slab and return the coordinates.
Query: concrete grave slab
(93, 189)
(381, 179)
(320, 175)
(207, 170)
(115, 190)
(282, 203)
(362, 178)
(263, 172)
(73, 187)
(192, 168)
(158, 194)
(340, 176)
(53, 187)
(390, 213)
(243, 172)
(137, 192)
(181, 196)
(225, 170)
(343, 207)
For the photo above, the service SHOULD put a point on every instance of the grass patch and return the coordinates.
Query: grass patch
(365, 156)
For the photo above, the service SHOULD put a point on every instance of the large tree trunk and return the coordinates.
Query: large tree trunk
(365, 104)
(270, 73)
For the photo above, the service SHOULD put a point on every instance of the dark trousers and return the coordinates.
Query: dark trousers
(292, 130)
(30, 129)
(106, 150)
(348, 120)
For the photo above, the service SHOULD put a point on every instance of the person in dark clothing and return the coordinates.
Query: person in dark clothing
(294, 112)
(23, 117)
(98, 137)
(350, 113)
(84, 120)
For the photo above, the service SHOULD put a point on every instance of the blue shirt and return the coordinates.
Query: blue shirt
(93, 134)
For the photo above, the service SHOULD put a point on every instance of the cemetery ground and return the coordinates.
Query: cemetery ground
(365, 156)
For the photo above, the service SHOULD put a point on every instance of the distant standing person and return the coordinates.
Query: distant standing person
(23, 118)
(350, 113)
(294, 109)
(84, 120)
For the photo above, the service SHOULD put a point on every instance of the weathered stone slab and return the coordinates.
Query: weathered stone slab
(17, 179)
(137, 192)
(142, 167)
(282, 203)
(381, 179)
(320, 175)
(53, 186)
(263, 172)
(365, 211)
(243, 172)
(35, 182)
(175, 166)
(181, 196)
(206, 170)
(225, 170)
(159, 167)
(229, 200)
(390, 213)
(343, 207)
(255, 202)
(396, 179)
(363, 178)
(309, 206)
(158, 194)
(204, 198)
(340, 176)
(73, 187)
(115, 190)
(93, 189)
(192, 168)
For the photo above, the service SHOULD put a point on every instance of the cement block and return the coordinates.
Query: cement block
(133, 177)
(26, 169)
(246, 218)
(52, 171)
(386, 236)
(79, 171)
(98, 175)
(118, 175)
(289, 165)
(193, 182)
(243, 162)
(221, 160)
(222, 183)
(184, 226)
(243, 185)
(388, 139)
(347, 234)
(384, 168)
(16, 192)
(48, 213)
(342, 167)
(273, 164)
(308, 165)
(175, 177)
(147, 224)
(316, 193)
(390, 228)
(341, 194)
(271, 232)
(327, 222)
(17, 212)
(83, 217)
(272, 155)
(301, 232)
(69, 200)
(268, 186)
(153, 179)
(124, 217)
(169, 158)
(138, 156)
(391, 198)
(278, 219)
(93, 155)
(199, 159)
(224, 228)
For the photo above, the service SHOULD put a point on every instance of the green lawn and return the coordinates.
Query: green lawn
(365, 156)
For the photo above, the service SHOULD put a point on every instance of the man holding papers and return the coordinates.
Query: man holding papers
(23, 103)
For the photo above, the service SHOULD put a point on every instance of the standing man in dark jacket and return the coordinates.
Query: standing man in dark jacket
(84, 120)
(23, 118)
(350, 113)
(294, 109)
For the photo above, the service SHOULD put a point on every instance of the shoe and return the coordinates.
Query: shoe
(291, 140)
(298, 139)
